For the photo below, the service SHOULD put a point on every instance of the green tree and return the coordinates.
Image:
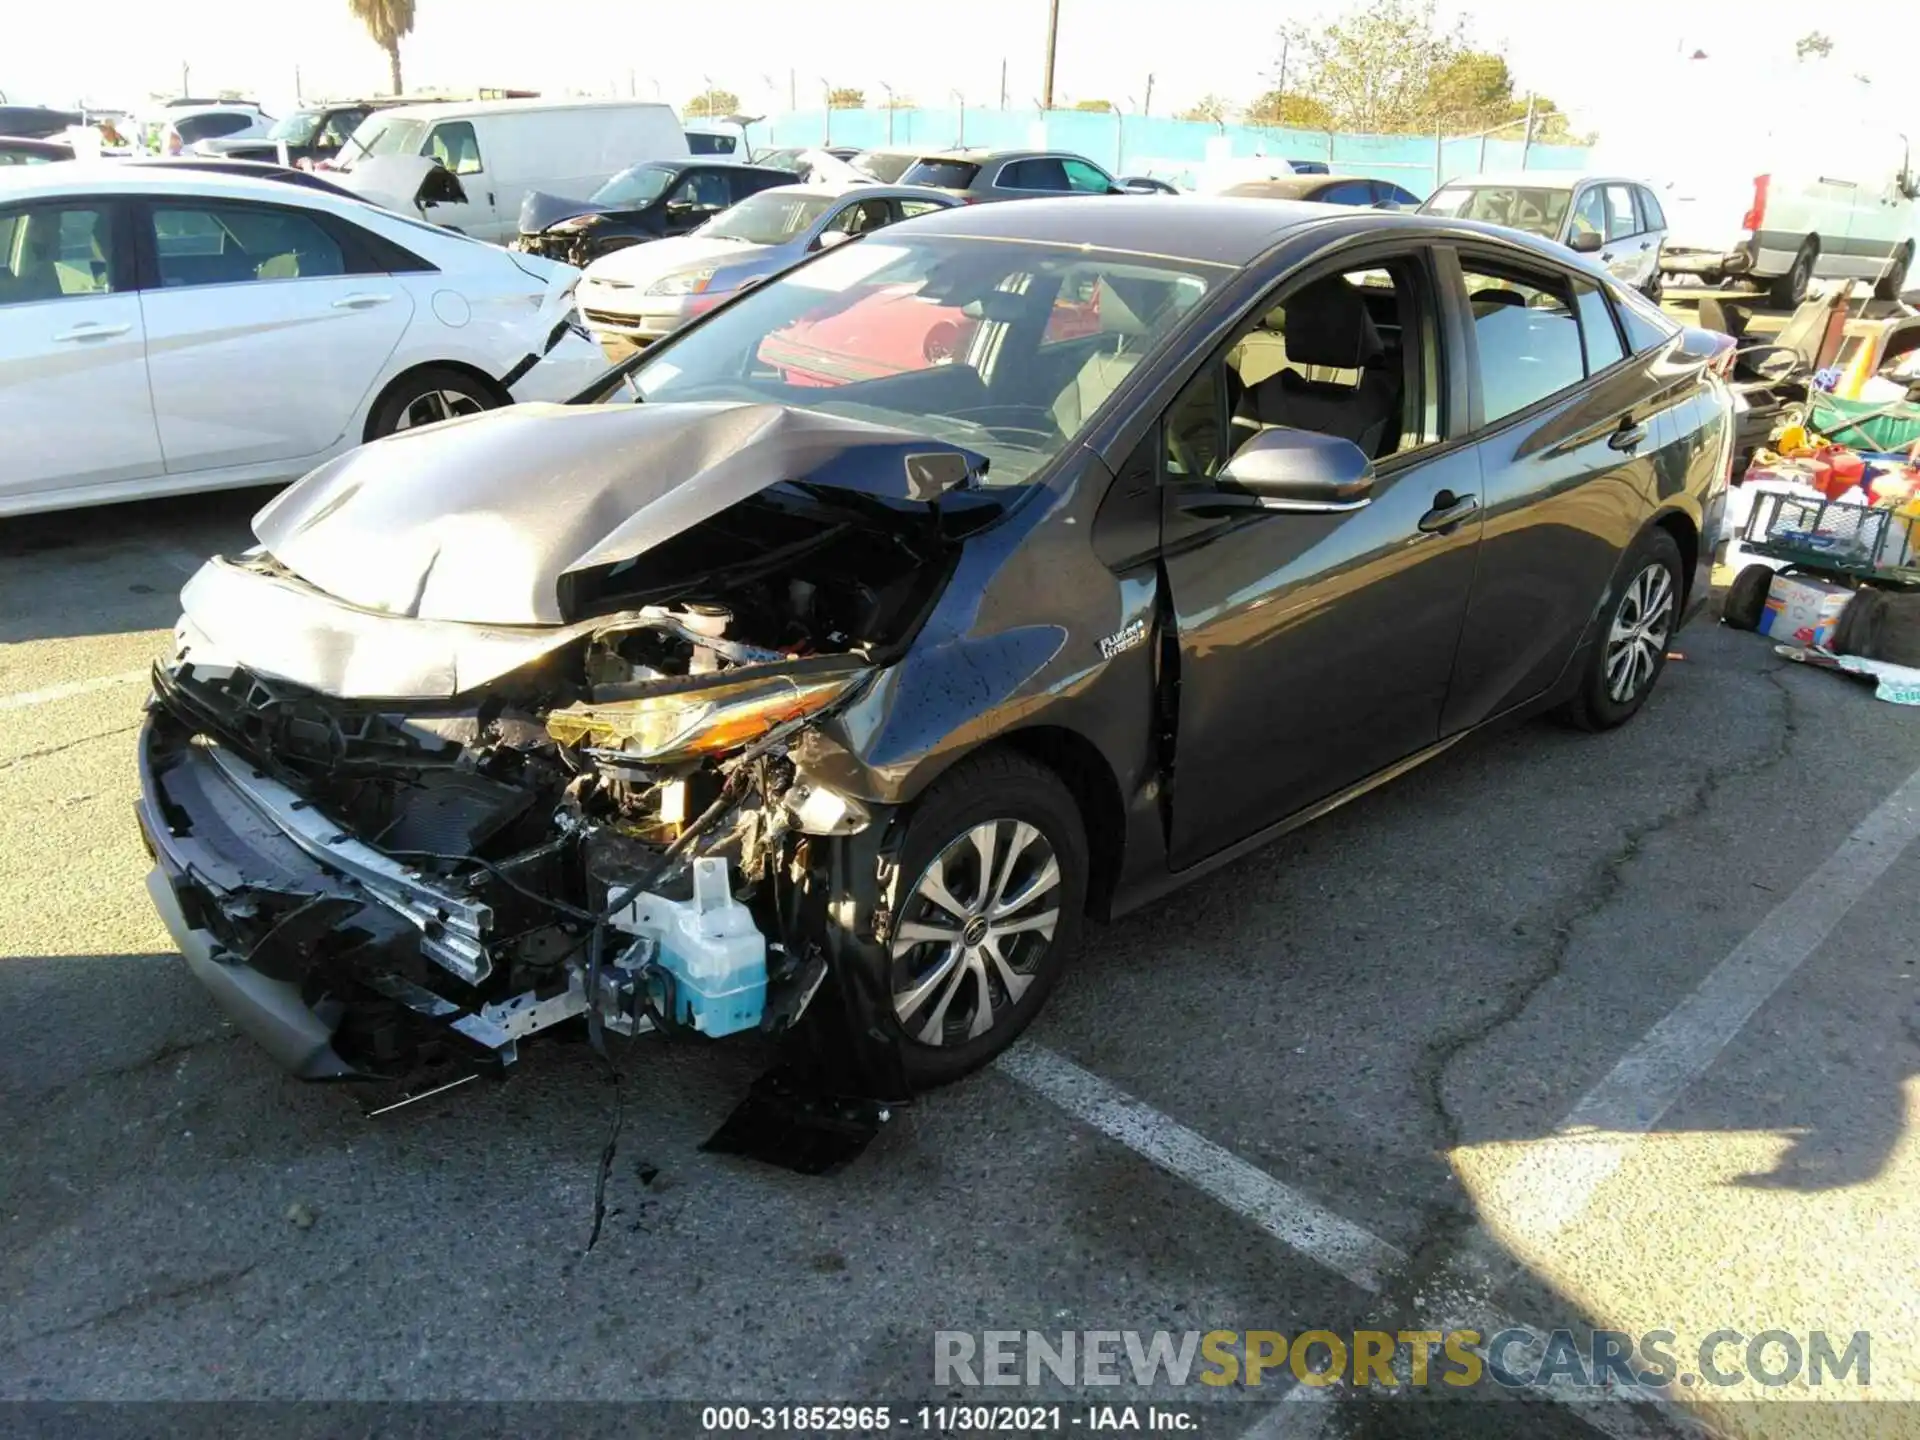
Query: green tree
(388, 22)
(711, 104)
(1290, 112)
(1208, 108)
(1100, 107)
(847, 98)
(1813, 43)
(1375, 70)
(1472, 90)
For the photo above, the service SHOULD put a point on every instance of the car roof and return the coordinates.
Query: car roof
(225, 107)
(835, 189)
(107, 177)
(1544, 179)
(1286, 187)
(979, 156)
(441, 109)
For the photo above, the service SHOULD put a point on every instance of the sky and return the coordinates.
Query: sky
(1607, 62)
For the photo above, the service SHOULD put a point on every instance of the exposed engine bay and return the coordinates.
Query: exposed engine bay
(615, 827)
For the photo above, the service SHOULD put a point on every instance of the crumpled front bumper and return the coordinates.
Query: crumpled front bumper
(272, 932)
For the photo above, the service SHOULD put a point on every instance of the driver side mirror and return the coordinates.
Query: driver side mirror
(1298, 470)
(1586, 242)
(827, 239)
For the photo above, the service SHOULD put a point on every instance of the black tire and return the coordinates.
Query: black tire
(1656, 286)
(1861, 625)
(1601, 704)
(406, 405)
(1746, 598)
(1003, 790)
(1890, 285)
(1790, 289)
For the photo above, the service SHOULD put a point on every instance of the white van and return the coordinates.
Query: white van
(1807, 200)
(496, 151)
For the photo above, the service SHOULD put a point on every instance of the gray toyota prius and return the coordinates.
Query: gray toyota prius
(822, 668)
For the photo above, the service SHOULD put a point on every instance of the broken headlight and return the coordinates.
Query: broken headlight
(703, 722)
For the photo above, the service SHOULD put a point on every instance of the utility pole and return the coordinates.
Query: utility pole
(1280, 87)
(960, 142)
(1526, 145)
(889, 89)
(1146, 105)
(1003, 82)
(793, 91)
(1053, 36)
(826, 93)
(185, 85)
(299, 95)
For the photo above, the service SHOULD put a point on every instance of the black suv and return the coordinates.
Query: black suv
(643, 202)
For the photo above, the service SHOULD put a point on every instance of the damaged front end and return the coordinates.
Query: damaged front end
(387, 838)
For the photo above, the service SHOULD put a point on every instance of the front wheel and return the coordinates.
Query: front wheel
(1632, 651)
(995, 871)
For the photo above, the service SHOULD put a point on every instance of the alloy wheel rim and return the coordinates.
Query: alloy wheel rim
(973, 932)
(435, 406)
(1638, 638)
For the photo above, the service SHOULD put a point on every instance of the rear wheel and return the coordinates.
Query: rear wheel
(1791, 288)
(426, 397)
(995, 867)
(1746, 598)
(1640, 615)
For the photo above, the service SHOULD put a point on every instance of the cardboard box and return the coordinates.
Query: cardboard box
(1803, 611)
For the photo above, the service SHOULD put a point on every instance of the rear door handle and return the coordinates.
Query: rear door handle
(1448, 511)
(93, 332)
(1628, 436)
(360, 302)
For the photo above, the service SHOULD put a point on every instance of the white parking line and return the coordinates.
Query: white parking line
(22, 699)
(1283, 1212)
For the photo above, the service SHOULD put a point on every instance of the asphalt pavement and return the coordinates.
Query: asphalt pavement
(1561, 1029)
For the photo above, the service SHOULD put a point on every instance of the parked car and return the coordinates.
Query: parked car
(469, 166)
(1329, 190)
(1146, 185)
(186, 127)
(1614, 219)
(36, 122)
(646, 202)
(165, 329)
(976, 175)
(886, 163)
(644, 292)
(1781, 209)
(1309, 167)
(19, 150)
(313, 134)
(832, 709)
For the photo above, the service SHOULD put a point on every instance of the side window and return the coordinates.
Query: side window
(1194, 428)
(911, 208)
(47, 253)
(1352, 354)
(1597, 328)
(1645, 323)
(1620, 217)
(1349, 192)
(228, 245)
(1044, 174)
(701, 190)
(340, 124)
(1527, 337)
(1589, 215)
(1083, 179)
(743, 183)
(1650, 207)
(454, 146)
(210, 127)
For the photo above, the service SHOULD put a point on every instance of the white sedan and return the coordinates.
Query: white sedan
(164, 332)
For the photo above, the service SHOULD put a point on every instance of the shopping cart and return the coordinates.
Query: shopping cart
(1834, 539)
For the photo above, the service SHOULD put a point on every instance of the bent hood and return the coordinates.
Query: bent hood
(538, 210)
(400, 182)
(479, 520)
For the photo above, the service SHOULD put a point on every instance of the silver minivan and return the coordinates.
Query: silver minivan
(1612, 218)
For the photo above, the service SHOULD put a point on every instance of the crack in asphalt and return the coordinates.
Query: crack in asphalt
(168, 1050)
(139, 1304)
(46, 750)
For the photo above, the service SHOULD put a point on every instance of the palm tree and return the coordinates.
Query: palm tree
(386, 21)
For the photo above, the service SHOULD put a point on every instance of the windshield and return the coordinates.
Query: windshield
(768, 219)
(641, 185)
(383, 135)
(297, 128)
(1535, 209)
(886, 168)
(1005, 347)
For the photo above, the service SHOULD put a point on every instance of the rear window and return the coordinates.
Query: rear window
(210, 127)
(942, 174)
(885, 168)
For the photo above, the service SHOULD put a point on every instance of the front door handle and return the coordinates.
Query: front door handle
(93, 332)
(1628, 436)
(360, 302)
(1448, 511)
